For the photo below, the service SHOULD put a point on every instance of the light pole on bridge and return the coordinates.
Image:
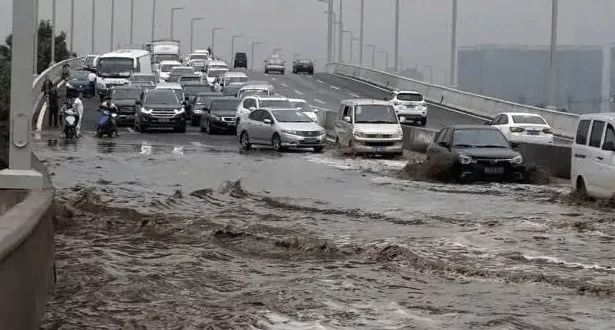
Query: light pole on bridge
(552, 68)
(53, 33)
(340, 43)
(112, 25)
(132, 21)
(237, 36)
(361, 32)
(454, 46)
(192, 21)
(72, 25)
(154, 5)
(349, 40)
(373, 47)
(396, 50)
(386, 58)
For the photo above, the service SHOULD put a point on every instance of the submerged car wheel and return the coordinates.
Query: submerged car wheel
(581, 189)
(245, 141)
(318, 149)
(276, 142)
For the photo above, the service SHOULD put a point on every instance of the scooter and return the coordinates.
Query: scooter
(106, 123)
(71, 118)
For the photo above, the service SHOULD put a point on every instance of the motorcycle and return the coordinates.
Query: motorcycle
(71, 118)
(106, 124)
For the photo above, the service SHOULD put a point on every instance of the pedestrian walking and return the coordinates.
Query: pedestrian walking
(52, 105)
(78, 106)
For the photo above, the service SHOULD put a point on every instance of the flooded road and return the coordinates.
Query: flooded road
(196, 234)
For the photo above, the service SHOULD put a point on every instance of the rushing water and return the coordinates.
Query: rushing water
(192, 236)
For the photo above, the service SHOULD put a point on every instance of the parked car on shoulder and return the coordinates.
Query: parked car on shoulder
(282, 129)
(240, 61)
(125, 99)
(523, 127)
(306, 108)
(161, 108)
(369, 127)
(81, 82)
(478, 153)
(303, 65)
(220, 115)
(275, 64)
(410, 105)
(593, 156)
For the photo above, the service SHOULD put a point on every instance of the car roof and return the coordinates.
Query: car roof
(603, 116)
(297, 100)
(168, 85)
(365, 102)
(142, 75)
(520, 113)
(478, 127)
(246, 87)
(134, 53)
(270, 98)
(216, 62)
(182, 68)
(226, 98)
(130, 87)
(209, 93)
(169, 62)
(235, 74)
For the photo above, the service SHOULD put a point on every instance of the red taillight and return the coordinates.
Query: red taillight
(517, 129)
(547, 131)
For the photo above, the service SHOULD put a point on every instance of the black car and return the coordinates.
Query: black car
(200, 103)
(191, 90)
(306, 66)
(160, 109)
(144, 81)
(477, 153)
(125, 99)
(241, 60)
(81, 82)
(220, 116)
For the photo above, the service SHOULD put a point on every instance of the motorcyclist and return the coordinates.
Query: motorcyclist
(68, 106)
(187, 105)
(111, 107)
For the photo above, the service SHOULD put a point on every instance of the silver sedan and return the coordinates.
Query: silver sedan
(281, 129)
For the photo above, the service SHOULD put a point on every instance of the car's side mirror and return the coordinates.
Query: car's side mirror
(443, 144)
(515, 145)
(489, 122)
(316, 111)
(267, 121)
(252, 108)
(402, 119)
(347, 119)
(608, 146)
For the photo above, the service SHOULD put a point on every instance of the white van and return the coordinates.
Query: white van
(593, 156)
(369, 126)
(115, 68)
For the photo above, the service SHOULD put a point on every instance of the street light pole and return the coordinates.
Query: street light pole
(72, 25)
(192, 31)
(373, 54)
(396, 36)
(132, 21)
(173, 10)
(351, 36)
(252, 55)
(53, 34)
(552, 68)
(386, 54)
(352, 40)
(237, 36)
(36, 26)
(112, 24)
(340, 43)
(361, 33)
(153, 19)
(213, 39)
(330, 35)
(93, 39)
(454, 45)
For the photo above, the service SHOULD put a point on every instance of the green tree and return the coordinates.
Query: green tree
(44, 58)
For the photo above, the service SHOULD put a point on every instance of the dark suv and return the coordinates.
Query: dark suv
(160, 109)
(306, 66)
(241, 61)
(125, 99)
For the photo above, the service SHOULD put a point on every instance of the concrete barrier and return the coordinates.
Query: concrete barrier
(551, 157)
(564, 124)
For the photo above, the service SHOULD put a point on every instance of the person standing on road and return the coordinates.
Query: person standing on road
(78, 106)
(52, 105)
(47, 86)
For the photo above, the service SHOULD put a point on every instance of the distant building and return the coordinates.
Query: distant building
(520, 74)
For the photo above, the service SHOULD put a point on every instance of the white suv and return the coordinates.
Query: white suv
(593, 156)
(411, 106)
(251, 103)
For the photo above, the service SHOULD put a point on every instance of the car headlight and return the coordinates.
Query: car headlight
(179, 111)
(397, 103)
(465, 160)
(518, 160)
(359, 134)
(147, 111)
(69, 85)
(290, 132)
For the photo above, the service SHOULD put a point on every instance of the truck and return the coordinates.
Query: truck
(164, 50)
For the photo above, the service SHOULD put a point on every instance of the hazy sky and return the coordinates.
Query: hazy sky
(299, 26)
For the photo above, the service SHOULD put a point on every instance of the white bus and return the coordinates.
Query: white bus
(115, 68)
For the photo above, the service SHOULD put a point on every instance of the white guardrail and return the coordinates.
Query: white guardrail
(564, 124)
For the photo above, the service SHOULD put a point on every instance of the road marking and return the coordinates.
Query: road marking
(355, 95)
(274, 79)
(320, 81)
(196, 144)
(320, 101)
(284, 85)
(130, 129)
(335, 87)
(298, 92)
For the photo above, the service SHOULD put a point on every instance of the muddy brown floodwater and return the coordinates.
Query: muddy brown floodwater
(197, 236)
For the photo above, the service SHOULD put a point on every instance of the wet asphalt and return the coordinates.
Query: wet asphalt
(167, 230)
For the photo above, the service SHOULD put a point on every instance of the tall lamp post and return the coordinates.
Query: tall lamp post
(373, 54)
(213, 39)
(396, 36)
(352, 40)
(386, 58)
(237, 36)
(340, 43)
(93, 37)
(112, 25)
(252, 54)
(552, 71)
(53, 33)
(192, 21)
(154, 5)
(362, 31)
(173, 10)
(349, 39)
(454, 45)
(132, 21)
(72, 25)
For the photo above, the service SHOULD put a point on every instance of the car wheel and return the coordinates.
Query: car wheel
(581, 189)
(276, 142)
(245, 141)
(208, 128)
(424, 122)
(196, 122)
(181, 128)
(282, 72)
(318, 149)
(266, 72)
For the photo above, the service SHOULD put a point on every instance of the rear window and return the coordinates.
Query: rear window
(224, 105)
(525, 119)
(276, 104)
(410, 97)
(596, 136)
(582, 132)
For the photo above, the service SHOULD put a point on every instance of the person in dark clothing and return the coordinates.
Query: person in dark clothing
(52, 105)
(47, 86)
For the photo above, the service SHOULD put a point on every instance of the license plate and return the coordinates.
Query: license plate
(494, 170)
(164, 120)
(409, 106)
(310, 140)
(378, 149)
(533, 132)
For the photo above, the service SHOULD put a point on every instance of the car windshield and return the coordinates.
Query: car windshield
(305, 62)
(255, 92)
(276, 104)
(79, 75)
(166, 97)
(231, 80)
(194, 90)
(115, 67)
(125, 94)
(375, 114)
(182, 71)
(167, 67)
(189, 78)
(198, 57)
(528, 119)
(290, 116)
(224, 105)
(143, 79)
(410, 97)
(199, 67)
(89, 61)
(167, 57)
(216, 72)
(275, 62)
(304, 106)
(479, 138)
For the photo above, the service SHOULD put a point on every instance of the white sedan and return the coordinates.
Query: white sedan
(524, 127)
